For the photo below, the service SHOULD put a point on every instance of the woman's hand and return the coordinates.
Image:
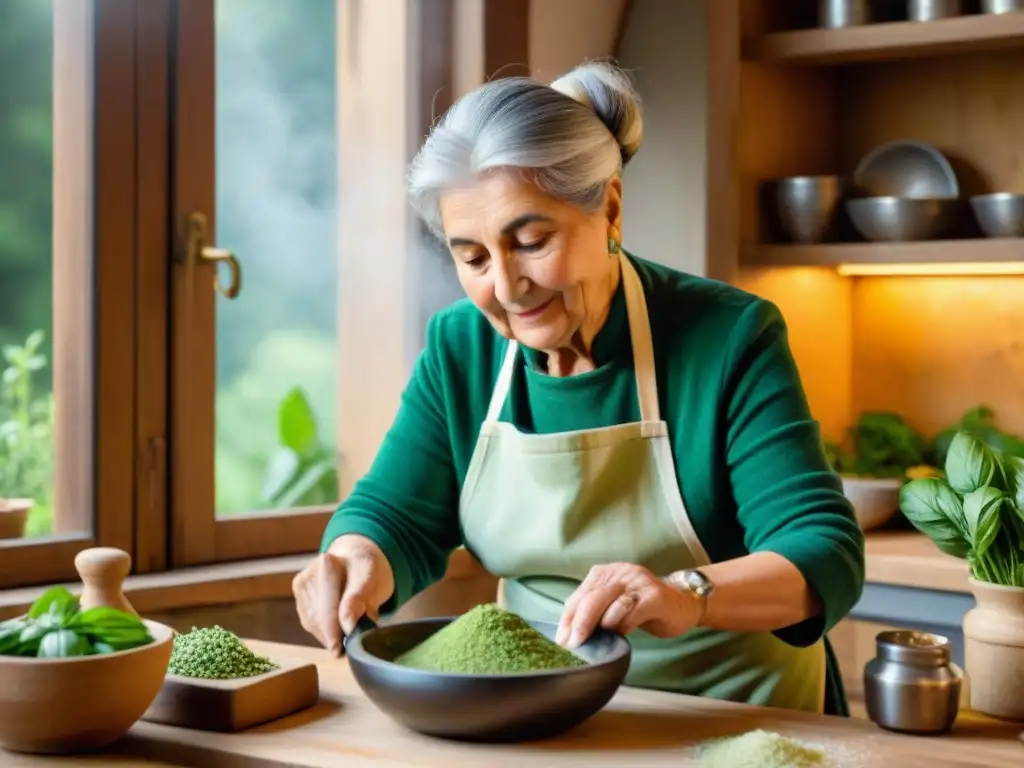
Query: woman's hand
(351, 579)
(623, 597)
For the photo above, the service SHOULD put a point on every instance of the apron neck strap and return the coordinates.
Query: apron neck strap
(503, 384)
(643, 344)
(643, 352)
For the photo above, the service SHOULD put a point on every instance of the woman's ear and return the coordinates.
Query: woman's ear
(613, 203)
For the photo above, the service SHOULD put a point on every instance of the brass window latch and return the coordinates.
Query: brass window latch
(197, 252)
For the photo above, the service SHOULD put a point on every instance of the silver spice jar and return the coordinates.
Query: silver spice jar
(912, 686)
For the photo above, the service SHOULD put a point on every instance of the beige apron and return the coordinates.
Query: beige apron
(539, 510)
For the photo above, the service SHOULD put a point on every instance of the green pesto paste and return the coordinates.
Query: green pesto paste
(489, 640)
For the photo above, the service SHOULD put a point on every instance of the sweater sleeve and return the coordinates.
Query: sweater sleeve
(408, 501)
(789, 501)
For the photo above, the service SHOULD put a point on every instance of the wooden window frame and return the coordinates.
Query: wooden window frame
(149, 484)
(381, 107)
(94, 322)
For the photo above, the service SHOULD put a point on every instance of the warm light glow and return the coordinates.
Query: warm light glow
(934, 269)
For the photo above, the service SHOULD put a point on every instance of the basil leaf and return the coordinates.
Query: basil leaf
(111, 627)
(11, 624)
(10, 636)
(122, 641)
(935, 510)
(982, 509)
(34, 631)
(31, 637)
(102, 617)
(1013, 470)
(99, 647)
(62, 643)
(971, 464)
(56, 601)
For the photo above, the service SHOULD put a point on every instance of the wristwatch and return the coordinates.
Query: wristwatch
(696, 583)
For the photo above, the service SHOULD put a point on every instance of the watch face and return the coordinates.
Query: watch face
(691, 581)
(697, 582)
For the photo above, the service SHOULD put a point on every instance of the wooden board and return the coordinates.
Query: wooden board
(234, 705)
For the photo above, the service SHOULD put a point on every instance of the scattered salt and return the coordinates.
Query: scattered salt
(761, 749)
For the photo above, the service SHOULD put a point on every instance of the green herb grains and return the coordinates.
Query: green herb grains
(761, 749)
(215, 654)
(489, 641)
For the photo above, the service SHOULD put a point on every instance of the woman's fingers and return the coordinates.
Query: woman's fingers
(350, 580)
(305, 591)
(590, 609)
(569, 609)
(619, 597)
(302, 593)
(360, 583)
(618, 611)
(643, 607)
(327, 579)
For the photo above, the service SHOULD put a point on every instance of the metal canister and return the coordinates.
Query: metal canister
(912, 686)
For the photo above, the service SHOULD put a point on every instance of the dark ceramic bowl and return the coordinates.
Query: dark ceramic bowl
(484, 708)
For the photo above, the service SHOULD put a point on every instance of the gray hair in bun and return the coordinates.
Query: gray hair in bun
(572, 136)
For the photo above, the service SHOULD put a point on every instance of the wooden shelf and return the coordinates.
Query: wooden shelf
(982, 251)
(890, 40)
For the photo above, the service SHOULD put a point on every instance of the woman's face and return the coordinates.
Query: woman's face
(538, 268)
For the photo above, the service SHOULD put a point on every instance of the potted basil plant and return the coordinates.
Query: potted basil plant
(976, 512)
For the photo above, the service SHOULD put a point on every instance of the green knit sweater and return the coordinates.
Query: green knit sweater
(749, 455)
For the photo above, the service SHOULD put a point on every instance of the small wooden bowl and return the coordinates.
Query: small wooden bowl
(62, 706)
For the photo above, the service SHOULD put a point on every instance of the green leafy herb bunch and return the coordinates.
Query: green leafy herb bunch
(976, 511)
(55, 627)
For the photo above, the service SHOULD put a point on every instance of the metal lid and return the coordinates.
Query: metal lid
(913, 647)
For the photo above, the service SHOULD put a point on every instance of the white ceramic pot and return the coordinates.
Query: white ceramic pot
(875, 499)
(994, 650)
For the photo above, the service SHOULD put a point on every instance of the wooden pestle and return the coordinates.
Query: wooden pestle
(103, 571)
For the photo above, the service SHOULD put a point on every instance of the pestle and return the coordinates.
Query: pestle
(103, 571)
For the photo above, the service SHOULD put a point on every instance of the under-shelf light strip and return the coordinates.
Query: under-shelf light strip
(966, 269)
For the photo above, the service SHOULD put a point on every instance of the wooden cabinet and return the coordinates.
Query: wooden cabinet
(872, 325)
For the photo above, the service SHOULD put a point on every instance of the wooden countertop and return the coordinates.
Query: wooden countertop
(636, 728)
(910, 559)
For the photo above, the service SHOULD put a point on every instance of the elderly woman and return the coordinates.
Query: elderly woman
(624, 445)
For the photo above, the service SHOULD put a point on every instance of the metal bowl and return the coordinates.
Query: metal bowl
(897, 219)
(807, 206)
(1000, 214)
(484, 708)
(907, 169)
(933, 10)
(836, 14)
(1002, 6)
